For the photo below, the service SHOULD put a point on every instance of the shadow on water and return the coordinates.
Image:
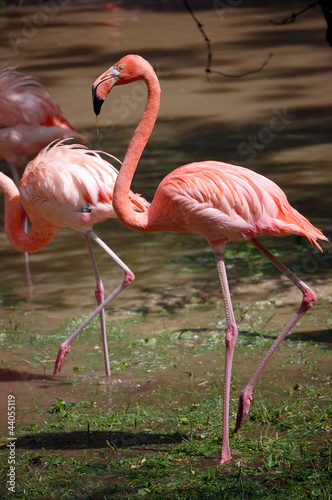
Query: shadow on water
(317, 336)
(324, 337)
(10, 375)
(95, 439)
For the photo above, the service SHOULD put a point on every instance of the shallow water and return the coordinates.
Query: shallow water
(228, 119)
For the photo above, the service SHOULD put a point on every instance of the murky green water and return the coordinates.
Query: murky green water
(227, 119)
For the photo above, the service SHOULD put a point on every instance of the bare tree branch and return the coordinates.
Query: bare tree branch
(294, 15)
(208, 69)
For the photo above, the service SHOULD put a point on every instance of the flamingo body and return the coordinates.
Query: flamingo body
(71, 186)
(224, 202)
(29, 118)
(221, 202)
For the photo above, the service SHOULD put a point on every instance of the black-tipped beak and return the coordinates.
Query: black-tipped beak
(96, 101)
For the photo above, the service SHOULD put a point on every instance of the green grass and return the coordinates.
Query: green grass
(162, 440)
(283, 451)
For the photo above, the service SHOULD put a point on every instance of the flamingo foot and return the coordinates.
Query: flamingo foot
(243, 409)
(63, 351)
(225, 456)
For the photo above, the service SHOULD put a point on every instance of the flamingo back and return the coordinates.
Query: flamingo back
(25, 100)
(29, 117)
(226, 202)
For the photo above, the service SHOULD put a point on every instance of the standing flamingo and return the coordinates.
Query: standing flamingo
(29, 119)
(66, 185)
(221, 202)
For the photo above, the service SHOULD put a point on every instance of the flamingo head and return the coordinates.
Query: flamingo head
(127, 70)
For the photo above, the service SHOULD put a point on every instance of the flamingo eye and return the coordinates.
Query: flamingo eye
(116, 70)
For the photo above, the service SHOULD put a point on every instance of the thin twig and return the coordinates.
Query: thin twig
(245, 73)
(206, 38)
(293, 16)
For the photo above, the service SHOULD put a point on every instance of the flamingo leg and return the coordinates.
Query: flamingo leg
(128, 279)
(99, 293)
(309, 298)
(24, 219)
(16, 174)
(230, 339)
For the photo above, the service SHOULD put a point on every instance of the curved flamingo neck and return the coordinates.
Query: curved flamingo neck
(42, 232)
(121, 203)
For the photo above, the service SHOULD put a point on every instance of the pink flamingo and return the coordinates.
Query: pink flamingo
(221, 202)
(66, 185)
(29, 119)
